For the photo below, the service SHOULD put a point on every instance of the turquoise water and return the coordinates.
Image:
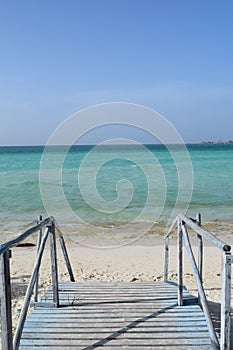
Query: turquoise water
(146, 184)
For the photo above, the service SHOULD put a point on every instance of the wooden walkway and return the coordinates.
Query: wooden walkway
(117, 316)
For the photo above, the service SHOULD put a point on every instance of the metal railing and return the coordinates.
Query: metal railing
(181, 223)
(46, 229)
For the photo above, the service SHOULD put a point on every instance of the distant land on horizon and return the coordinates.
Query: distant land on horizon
(230, 142)
(218, 142)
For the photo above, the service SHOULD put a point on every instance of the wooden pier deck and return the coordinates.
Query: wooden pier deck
(117, 316)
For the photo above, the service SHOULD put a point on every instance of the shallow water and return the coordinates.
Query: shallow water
(113, 185)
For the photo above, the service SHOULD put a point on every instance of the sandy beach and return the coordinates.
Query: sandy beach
(142, 260)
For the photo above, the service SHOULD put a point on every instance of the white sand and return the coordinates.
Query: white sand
(141, 261)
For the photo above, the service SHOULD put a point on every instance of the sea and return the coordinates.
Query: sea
(114, 184)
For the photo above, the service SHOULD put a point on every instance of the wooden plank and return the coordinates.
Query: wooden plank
(95, 321)
(179, 322)
(117, 342)
(115, 347)
(134, 293)
(80, 337)
(123, 321)
(107, 311)
(105, 289)
(103, 326)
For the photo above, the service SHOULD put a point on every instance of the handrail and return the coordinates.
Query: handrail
(8, 343)
(174, 223)
(205, 234)
(182, 234)
(10, 244)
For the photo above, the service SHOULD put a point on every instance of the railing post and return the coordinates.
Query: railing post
(5, 297)
(200, 251)
(226, 302)
(38, 247)
(53, 252)
(66, 257)
(180, 263)
(166, 259)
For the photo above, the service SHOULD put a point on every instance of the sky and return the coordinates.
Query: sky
(58, 57)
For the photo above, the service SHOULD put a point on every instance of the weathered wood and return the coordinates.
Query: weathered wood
(66, 257)
(200, 247)
(226, 303)
(200, 256)
(138, 324)
(126, 347)
(166, 255)
(71, 323)
(39, 237)
(113, 313)
(206, 234)
(200, 250)
(180, 264)
(10, 244)
(29, 292)
(53, 252)
(120, 305)
(173, 225)
(5, 297)
(195, 224)
(166, 259)
(168, 343)
(148, 331)
(204, 304)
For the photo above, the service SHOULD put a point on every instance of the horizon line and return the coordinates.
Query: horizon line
(124, 144)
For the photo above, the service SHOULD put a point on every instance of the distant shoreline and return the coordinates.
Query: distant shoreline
(230, 142)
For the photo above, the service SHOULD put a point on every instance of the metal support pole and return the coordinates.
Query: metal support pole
(53, 252)
(226, 302)
(5, 297)
(180, 264)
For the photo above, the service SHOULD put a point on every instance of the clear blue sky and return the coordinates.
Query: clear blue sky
(60, 56)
